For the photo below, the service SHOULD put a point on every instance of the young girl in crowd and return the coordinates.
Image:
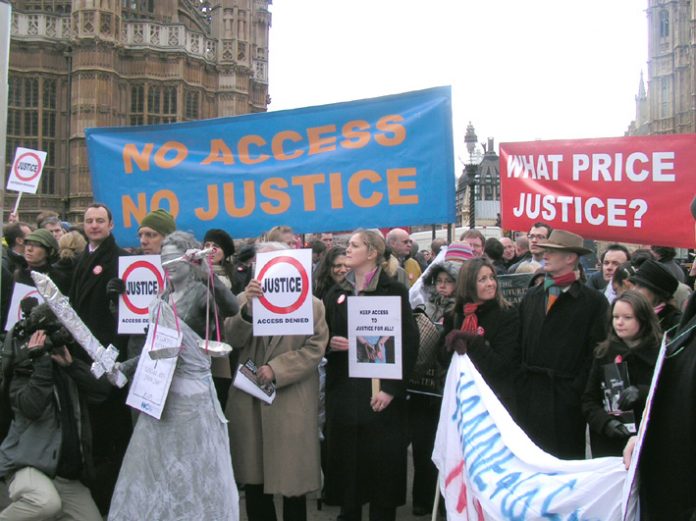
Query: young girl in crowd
(483, 325)
(366, 435)
(621, 373)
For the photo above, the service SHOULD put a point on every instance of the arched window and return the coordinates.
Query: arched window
(664, 23)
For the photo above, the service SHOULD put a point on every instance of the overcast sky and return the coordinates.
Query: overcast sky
(519, 69)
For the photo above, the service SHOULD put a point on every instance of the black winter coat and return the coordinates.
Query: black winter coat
(111, 420)
(668, 458)
(366, 450)
(497, 358)
(88, 297)
(23, 276)
(669, 317)
(641, 365)
(556, 354)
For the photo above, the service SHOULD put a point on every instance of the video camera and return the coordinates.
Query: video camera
(37, 317)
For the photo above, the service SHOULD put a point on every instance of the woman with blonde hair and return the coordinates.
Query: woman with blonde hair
(70, 246)
(366, 435)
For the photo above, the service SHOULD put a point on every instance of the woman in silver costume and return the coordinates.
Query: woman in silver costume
(179, 468)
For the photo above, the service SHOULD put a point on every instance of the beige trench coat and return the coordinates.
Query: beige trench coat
(278, 444)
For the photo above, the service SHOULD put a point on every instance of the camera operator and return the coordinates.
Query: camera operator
(47, 450)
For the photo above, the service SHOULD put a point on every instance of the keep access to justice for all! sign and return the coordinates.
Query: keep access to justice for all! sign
(374, 337)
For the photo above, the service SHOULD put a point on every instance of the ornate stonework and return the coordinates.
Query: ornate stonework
(669, 106)
(88, 63)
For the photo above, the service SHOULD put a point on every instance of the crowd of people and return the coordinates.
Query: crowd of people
(575, 354)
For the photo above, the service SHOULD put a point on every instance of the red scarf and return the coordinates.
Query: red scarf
(470, 323)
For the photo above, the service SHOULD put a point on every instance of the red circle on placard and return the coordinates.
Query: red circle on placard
(284, 310)
(129, 270)
(35, 174)
(29, 294)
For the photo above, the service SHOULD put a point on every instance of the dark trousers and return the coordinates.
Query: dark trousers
(377, 513)
(423, 417)
(260, 507)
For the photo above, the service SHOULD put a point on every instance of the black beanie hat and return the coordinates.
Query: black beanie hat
(222, 239)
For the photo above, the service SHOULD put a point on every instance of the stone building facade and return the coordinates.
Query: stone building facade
(669, 106)
(93, 63)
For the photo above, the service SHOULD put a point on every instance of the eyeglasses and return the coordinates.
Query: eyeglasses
(536, 236)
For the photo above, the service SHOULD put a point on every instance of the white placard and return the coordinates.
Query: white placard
(144, 279)
(20, 292)
(25, 173)
(374, 337)
(148, 392)
(286, 305)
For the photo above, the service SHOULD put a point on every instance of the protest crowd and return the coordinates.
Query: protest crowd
(570, 354)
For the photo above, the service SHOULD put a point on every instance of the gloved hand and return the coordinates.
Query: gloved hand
(616, 430)
(629, 397)
(459, 341)
(115, 287)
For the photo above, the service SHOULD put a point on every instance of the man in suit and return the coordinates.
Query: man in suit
(90, 297)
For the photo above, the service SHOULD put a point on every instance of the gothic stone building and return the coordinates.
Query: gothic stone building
(94, 63)
(669, 105)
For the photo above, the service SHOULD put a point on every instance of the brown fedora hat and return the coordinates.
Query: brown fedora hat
(562, 240)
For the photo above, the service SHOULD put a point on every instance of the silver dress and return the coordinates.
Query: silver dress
(179, 468)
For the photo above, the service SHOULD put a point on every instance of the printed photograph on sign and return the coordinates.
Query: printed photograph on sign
(286, 305)
(375, 349)
(374, 337)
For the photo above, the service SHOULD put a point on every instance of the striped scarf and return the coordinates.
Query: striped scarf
(554, 287)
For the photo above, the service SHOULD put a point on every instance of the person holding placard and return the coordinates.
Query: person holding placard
(275, 447)
(668, 457)
(179, 467)
(366, 434)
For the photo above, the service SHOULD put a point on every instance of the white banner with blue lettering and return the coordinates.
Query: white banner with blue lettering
(491, 470)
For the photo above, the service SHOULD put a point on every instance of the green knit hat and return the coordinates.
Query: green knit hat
(159, 220)
(45, 238)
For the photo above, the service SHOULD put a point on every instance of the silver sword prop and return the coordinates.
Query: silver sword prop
(104, 358)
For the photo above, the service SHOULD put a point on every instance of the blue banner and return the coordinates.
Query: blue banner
(378, 162)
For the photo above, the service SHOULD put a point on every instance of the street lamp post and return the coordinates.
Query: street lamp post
(471, 171)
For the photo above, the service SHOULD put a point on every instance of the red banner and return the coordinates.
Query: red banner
(630, 189)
